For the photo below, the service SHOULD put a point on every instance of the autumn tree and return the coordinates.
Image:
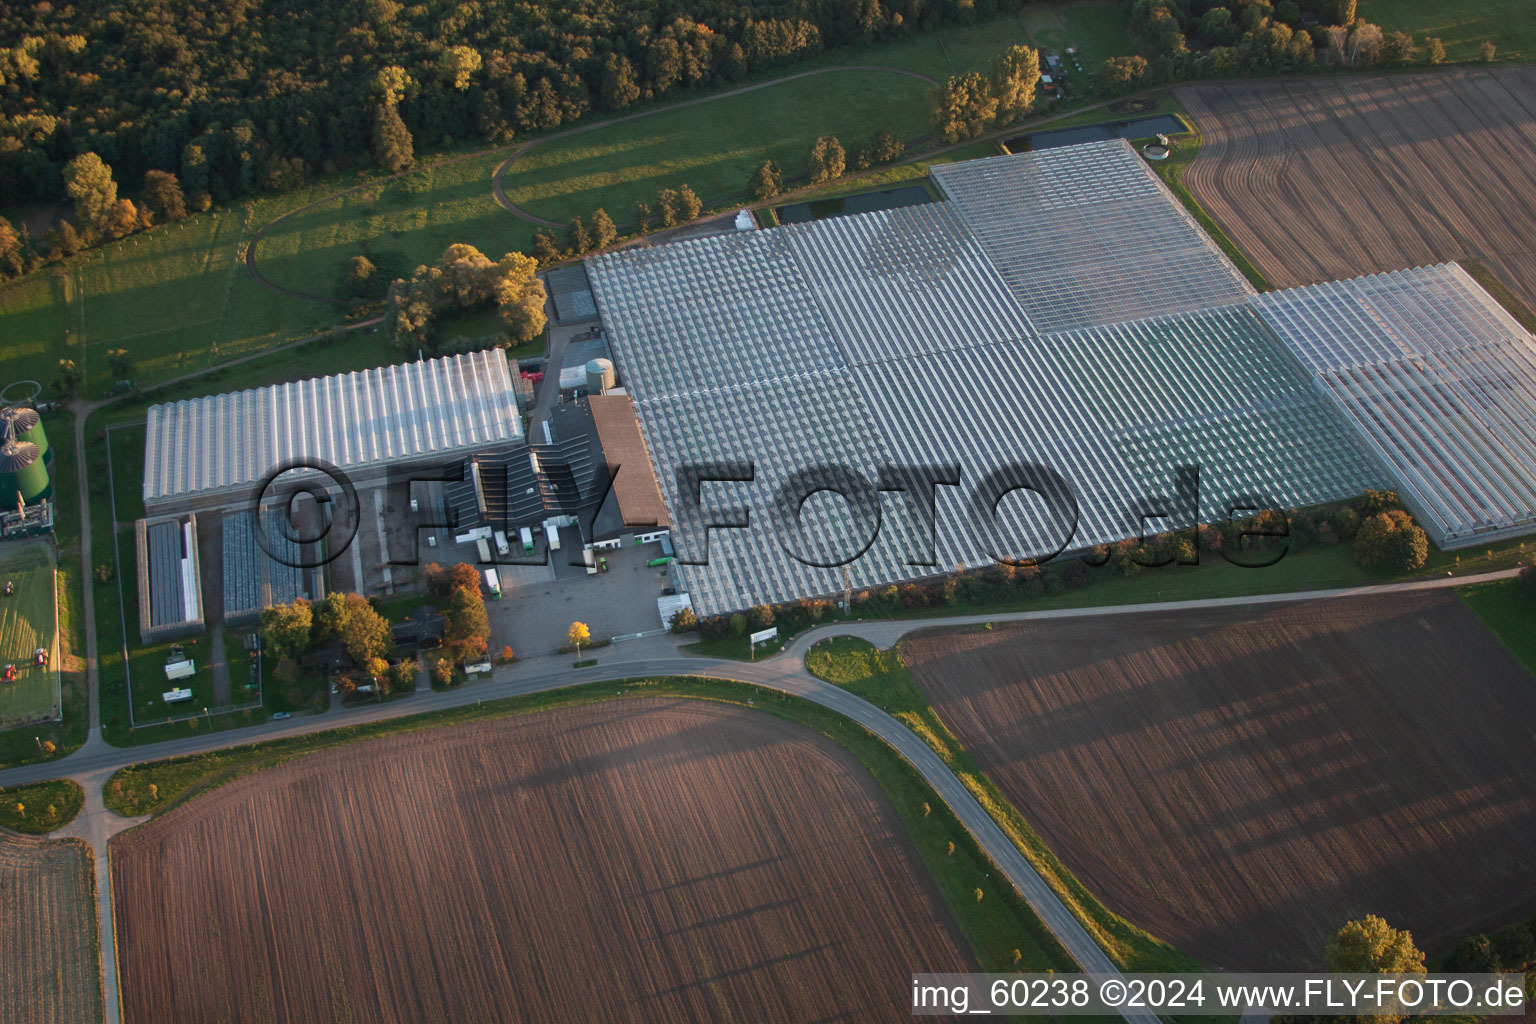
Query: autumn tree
(361, 277)
(642, 213)
(619, 86)
(689, 205)
(578, 635)
(163, 196)
(1434, 50)
(286, 630)
(458, 65)
(578, 239)
(390, 84)
(1371, 946)
(604, 231)
(468, 627)
(393, 147)
(666, 207)
(1119, 74)
(1487, 51)
(827, 160)
(1391, 540)
(767, 181)
(885, 147)
(465, 278)
(1014, 75)
(1397, 48)
(963, 107)
(89, 185)
(365, 634)
(545, 249)
(12, 254)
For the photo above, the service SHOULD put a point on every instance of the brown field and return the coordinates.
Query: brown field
(49, 957)
(1240, 782)
(1324, 177)
(634, 860)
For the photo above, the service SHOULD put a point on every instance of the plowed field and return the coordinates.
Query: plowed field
(49, 964)
(1240, 782)
(1324, 177)
(629, 861)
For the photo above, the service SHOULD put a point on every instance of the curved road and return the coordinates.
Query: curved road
(94, 763)
(520, 151)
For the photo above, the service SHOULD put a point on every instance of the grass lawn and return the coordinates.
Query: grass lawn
(176, 298)
(27, 621)
(1508, 609)
(23, 745)
(45, 806)
(1462, 25)
(1001, 928)
(1095, 27)
(881, 678)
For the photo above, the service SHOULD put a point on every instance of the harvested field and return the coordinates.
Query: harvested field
(48, 940)
(1324, 177)
(1242, 781)
(633, 860)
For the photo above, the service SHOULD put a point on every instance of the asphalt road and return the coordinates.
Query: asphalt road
(93, 763)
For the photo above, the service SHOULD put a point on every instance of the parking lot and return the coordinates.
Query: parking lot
(539, 603)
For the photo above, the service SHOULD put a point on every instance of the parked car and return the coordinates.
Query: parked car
(278, 716)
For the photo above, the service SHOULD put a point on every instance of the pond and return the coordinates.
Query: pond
(864, 202)
(1141, 128)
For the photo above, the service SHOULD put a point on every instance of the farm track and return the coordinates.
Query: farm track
(1240, 782)
(517, 151)
(634, 860)
(47, 933)
(1329, 177)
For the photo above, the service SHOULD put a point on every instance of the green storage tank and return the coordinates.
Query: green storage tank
(24, 424)
(22, 473)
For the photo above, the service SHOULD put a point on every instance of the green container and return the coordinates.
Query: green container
(38, 436)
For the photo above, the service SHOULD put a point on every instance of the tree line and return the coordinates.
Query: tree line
(1178, 40)
(1382, 536)
(233, 97)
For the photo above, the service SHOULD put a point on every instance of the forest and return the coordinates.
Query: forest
(236, 96)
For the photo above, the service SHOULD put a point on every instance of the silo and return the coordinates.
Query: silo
(27, 425)
(22, 473)
(600, 375)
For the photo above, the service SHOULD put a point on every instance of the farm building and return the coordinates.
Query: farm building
(563, 478)
(213, 451)
(1058, 309)
(169, 577)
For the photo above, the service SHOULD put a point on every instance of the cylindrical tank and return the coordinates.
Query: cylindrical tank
(22, 473)
(600, 375)
(26, 425)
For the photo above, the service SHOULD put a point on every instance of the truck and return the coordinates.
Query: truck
(493, 584)
(527, 535)
(502, 547)
(552, 534)
(485, 549)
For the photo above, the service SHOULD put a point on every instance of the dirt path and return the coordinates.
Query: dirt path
(521, 151)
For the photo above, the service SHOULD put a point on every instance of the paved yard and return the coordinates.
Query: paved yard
(536, 610)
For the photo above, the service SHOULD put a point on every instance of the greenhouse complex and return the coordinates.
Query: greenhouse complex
(1057, 310)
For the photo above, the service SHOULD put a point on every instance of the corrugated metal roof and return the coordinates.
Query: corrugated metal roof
(408, 411)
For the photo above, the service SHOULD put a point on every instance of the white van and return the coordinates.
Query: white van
(552, 532)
